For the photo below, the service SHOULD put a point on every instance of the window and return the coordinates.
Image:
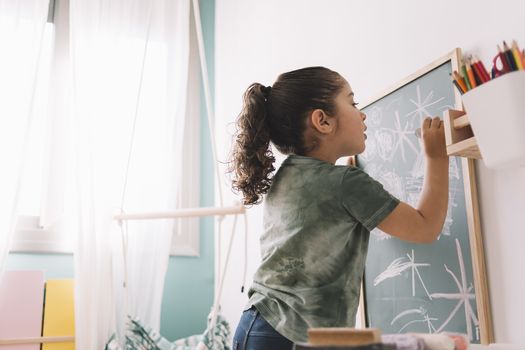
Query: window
(29, 235)
(36, 229)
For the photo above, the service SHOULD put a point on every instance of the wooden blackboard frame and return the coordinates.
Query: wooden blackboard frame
(472, 207)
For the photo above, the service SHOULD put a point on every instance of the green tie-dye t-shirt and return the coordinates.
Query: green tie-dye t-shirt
(317, 221)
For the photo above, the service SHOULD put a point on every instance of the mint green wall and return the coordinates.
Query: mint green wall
(188, 293)
(54, 265)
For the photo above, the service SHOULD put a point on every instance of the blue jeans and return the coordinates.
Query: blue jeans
(254, 333)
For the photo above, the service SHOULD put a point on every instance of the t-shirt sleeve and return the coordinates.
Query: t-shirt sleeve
(365, 198)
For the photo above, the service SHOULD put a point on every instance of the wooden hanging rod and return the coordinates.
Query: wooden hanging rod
(37, 340)
(183, 213)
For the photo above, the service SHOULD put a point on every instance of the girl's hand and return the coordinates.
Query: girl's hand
(433, 135)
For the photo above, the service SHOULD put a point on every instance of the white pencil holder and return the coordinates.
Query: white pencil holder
(496, 111)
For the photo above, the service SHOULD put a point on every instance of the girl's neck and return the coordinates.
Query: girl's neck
(323, 154)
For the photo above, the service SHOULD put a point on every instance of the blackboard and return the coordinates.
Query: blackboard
(427, 288)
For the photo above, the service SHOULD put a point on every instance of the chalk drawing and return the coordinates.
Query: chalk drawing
(463, 296)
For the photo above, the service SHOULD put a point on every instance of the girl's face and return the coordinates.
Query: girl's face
(349, 135)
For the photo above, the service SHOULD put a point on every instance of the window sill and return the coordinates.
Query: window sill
(31, 238)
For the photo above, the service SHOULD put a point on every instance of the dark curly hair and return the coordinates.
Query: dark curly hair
(278, 114)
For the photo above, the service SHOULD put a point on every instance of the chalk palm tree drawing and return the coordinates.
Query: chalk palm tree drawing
(421, 311)
(399, 265)
(463, 296)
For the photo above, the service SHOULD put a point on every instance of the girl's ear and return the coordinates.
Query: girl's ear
(322, 122)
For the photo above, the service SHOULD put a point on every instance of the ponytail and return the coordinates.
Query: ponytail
(252, 158)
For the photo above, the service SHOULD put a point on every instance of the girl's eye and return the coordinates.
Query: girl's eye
(355, 104)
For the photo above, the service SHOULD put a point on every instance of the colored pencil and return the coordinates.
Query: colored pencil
(510, 58)
(504, 62)
(482, 69)
(458, 86)
(477, 73)
(465, 76)
(460, 81)
(517, 55)
(470, 74)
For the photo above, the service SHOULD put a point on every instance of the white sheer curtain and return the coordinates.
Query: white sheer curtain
(22, 25)
(128, 58)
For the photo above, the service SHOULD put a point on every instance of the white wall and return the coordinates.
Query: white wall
(374, 44)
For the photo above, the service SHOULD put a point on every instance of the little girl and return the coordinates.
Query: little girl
(317, 215)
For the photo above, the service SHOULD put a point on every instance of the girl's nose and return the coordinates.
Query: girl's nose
(363, 116)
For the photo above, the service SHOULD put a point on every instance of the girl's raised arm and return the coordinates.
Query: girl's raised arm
(424, 223)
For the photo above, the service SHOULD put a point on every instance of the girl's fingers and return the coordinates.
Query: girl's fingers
(436, 122)
(426, 123)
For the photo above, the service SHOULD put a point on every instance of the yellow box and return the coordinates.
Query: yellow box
(59, 313)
